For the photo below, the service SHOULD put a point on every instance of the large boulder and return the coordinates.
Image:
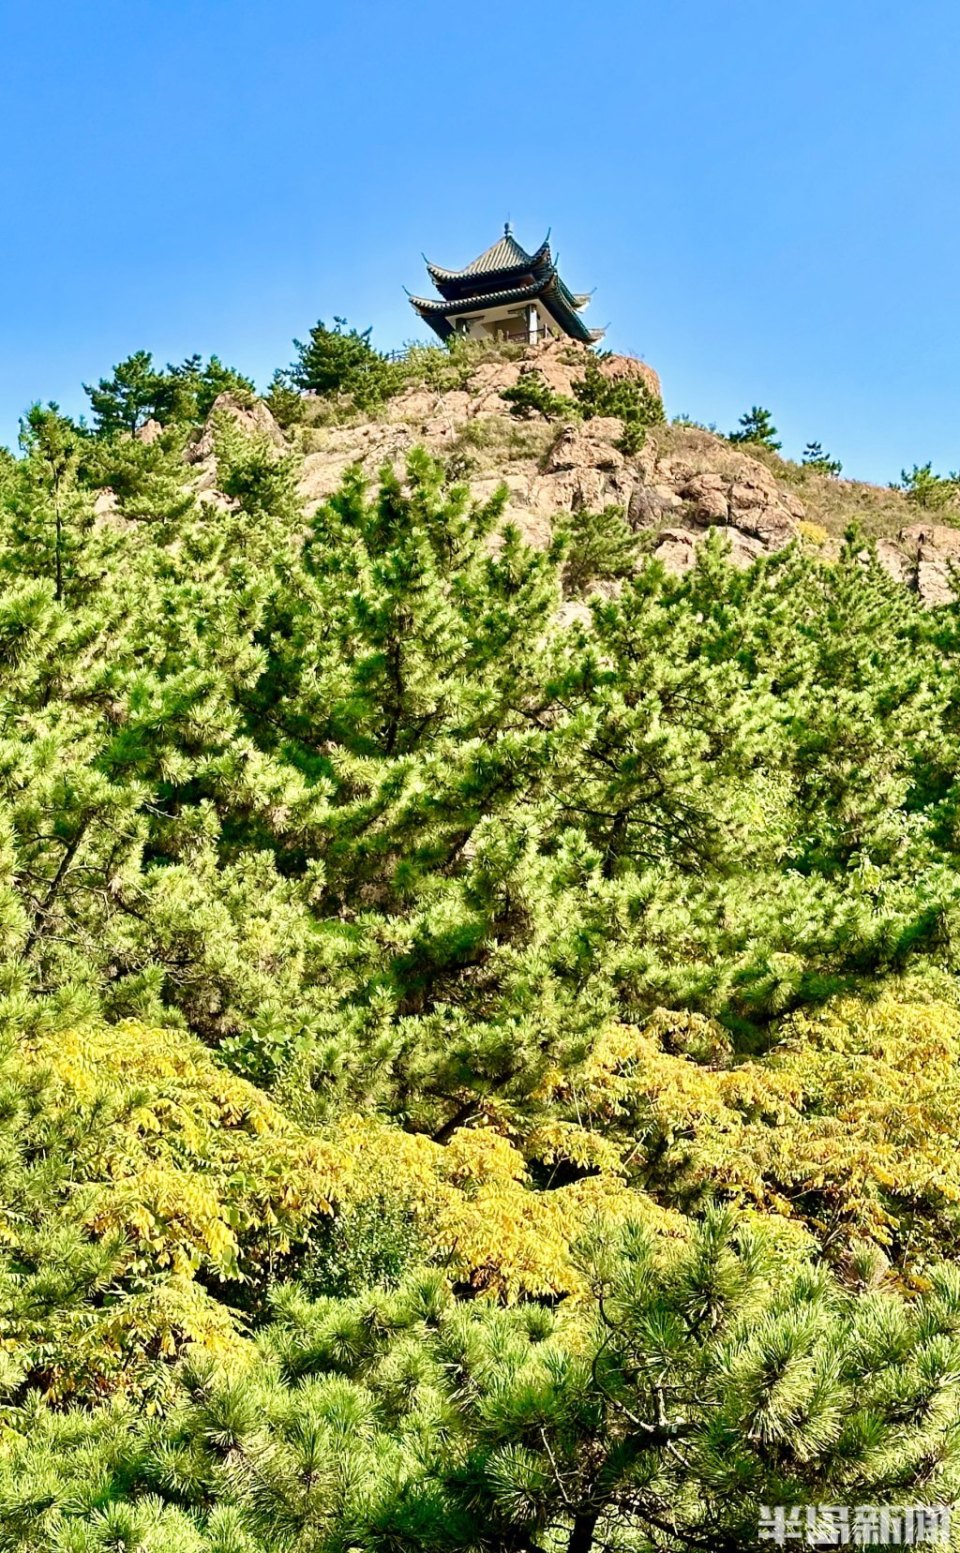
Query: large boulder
(370, 444)
(254, 419)
(631, 367)
(676, 549)
(697, 482)
(584, 469)
(590, 444)
(650, 505)
(560, 363)
(933, 556)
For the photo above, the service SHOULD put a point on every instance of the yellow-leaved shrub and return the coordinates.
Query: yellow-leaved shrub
(477, 1212)
(194, 1161)
(201, 1187)
(850, 1123)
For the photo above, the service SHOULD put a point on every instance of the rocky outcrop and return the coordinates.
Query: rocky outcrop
(371, 445)
(584, 469)
(560, 363)
(927, 559)
(695, 483)
(699, 483)
(253, 418)
(631, 367)
(683, 484)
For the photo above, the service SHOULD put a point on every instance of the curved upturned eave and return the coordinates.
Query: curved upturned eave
(557, 300)
(477, 302)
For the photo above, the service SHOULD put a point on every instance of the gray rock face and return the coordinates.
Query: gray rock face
(676, 549)
(896, 563)
(931, 562)
(589, 446)
(708, 484)
(650, 505)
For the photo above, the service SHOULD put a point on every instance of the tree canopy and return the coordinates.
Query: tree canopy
(478, 1051)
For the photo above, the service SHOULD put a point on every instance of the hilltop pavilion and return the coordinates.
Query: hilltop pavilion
(509, 293)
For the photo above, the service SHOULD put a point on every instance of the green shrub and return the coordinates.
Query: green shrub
(146, 478)
(448, 367)
(284, 400)
(627, 398)
(532, 395)
(369, 1245)
(925, 489)
(600, 546)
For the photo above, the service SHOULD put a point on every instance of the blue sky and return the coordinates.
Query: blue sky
(765, 197)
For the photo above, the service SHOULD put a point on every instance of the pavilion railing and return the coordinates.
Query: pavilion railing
(507, 339)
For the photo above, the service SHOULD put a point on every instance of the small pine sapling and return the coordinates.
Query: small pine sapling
(925, 489)
(819, 462)
(757, 426)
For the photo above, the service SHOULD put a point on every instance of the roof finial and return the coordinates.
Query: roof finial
(506, 229)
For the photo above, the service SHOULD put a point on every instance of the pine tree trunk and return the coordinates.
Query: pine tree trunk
(58, 594)
(581, 1536)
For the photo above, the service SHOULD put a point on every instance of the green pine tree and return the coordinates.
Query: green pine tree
(821, 463)
(756, 425)
(342, 360)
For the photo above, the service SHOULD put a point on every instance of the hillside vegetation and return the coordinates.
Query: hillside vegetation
(479, 1022)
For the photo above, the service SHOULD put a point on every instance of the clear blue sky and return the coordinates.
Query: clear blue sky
(764, 196)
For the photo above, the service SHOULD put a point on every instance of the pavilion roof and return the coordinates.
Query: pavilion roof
(504, 257)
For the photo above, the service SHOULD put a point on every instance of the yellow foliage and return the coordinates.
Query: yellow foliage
(558, 1142)
(194, 1158)
(196, 1170)
(850, 1123)
(177, 1168)
(111, 1348)
(476, 1210)
(815, 533)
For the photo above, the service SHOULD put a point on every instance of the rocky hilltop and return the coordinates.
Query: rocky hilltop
(685, 480)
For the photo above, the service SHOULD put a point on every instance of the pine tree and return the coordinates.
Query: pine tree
(137, 391)
(49, 517)
(189, 390)
(342, 360)
(925, 489)
(820, 462)
(630, 399)
(128, 398)
(600, 547)
(756, 425)
(701, 1382)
